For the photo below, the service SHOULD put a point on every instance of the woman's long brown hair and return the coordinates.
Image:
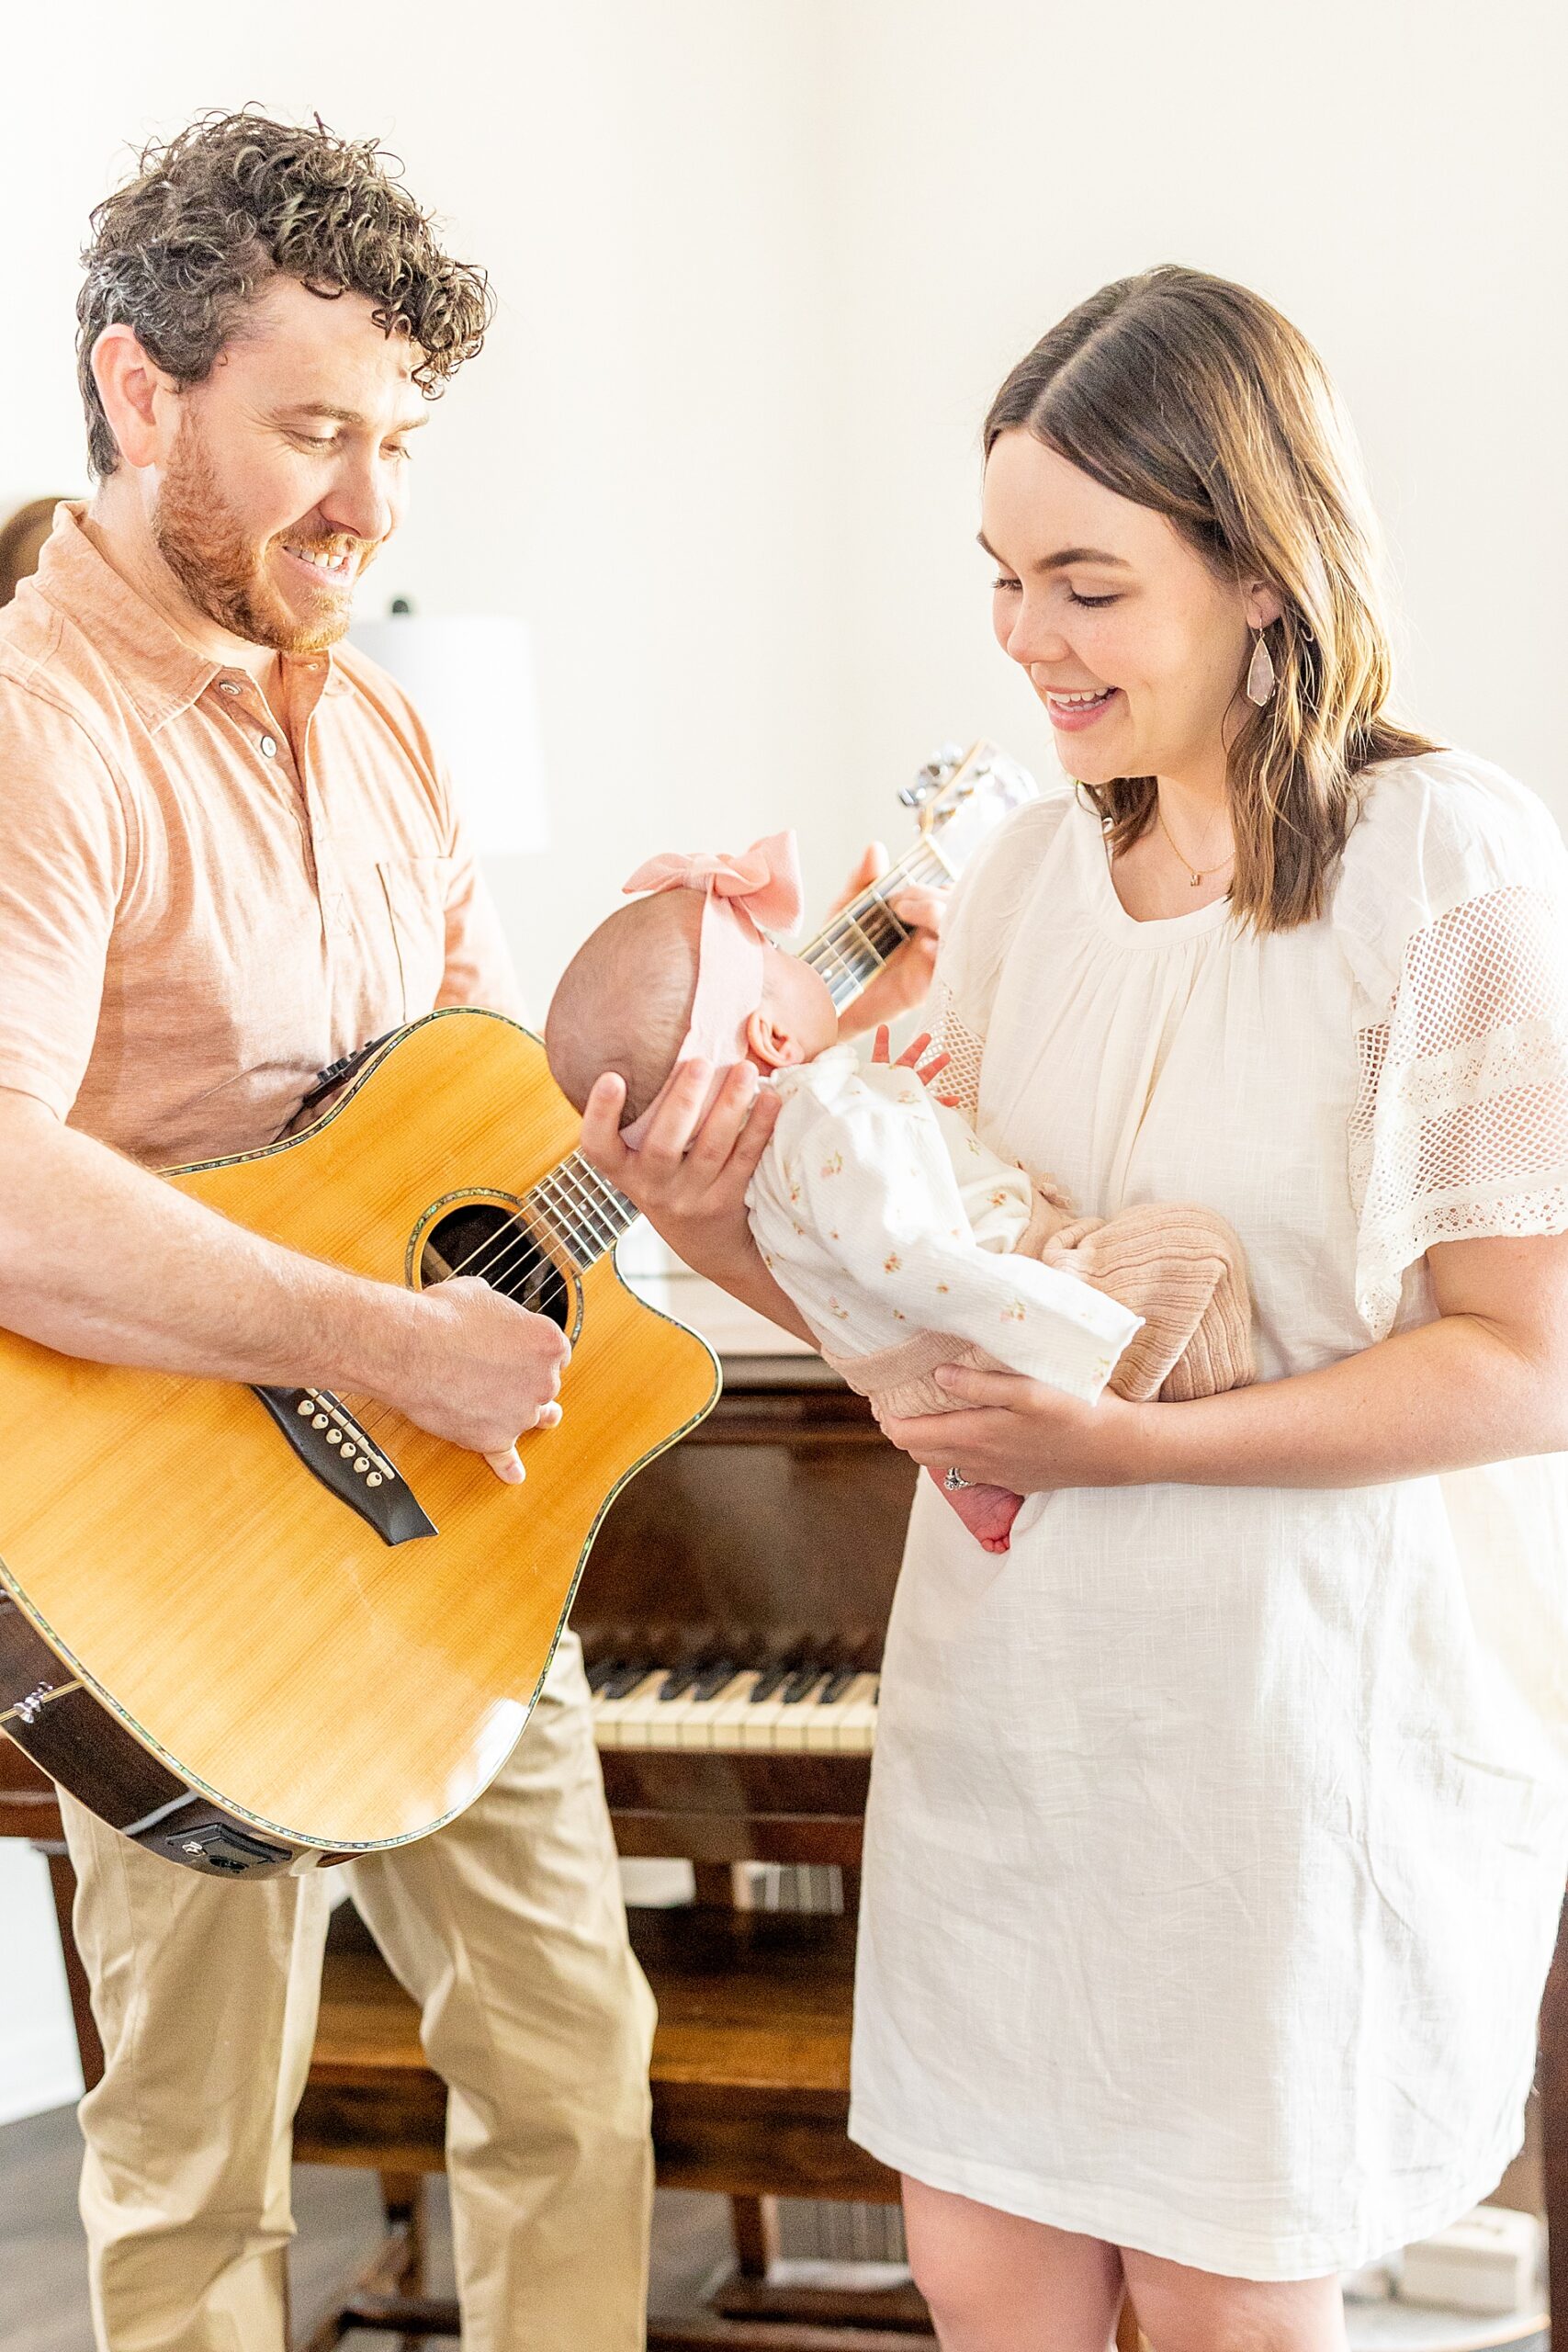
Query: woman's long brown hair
(1192, 396)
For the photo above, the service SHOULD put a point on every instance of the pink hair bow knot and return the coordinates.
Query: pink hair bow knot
(763, 880)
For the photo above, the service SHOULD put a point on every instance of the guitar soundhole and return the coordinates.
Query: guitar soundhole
(484, 1238)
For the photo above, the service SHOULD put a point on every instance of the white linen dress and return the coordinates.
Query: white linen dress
(1217, 1836)
(883, 1215)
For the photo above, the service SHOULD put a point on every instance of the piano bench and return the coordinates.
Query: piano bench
(750, 2061)
(752, 2058)
(751, 2084)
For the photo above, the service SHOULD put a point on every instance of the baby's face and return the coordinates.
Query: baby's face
(796, 1009)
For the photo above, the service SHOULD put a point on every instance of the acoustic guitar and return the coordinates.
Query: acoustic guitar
(255, 1629)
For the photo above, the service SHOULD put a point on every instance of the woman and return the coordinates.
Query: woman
(1218, 1832)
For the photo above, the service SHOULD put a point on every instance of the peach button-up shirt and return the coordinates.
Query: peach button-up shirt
(201, 908)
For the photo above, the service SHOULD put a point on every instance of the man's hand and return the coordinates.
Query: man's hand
(482, 1371)
(690, 1177)
(906, 978)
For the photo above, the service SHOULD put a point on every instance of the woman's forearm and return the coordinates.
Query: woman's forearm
(730, 1258)
(744, 1276)
(1446, 1396)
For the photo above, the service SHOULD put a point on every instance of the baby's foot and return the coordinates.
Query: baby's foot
(986, 1511)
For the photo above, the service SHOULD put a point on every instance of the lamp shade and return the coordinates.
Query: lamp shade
(471, 681)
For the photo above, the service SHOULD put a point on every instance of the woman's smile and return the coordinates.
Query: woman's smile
(1070, 712)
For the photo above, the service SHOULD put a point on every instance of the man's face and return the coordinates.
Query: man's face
(287, 471)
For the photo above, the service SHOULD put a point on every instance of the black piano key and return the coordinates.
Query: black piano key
(838, 1682)
(627, 1677)
(599, 1673)
(712, 1678)
(772, 1678)
(801, 1684)
(679, 1678)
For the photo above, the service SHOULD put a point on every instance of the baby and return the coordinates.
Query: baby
(902, 1239)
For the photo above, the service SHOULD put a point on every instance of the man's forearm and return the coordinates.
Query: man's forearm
(99, 1258)
(1446, 1396)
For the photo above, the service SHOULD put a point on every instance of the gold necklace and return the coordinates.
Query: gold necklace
(1199, 873)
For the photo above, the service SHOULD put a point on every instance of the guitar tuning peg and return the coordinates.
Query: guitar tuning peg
(944, 763)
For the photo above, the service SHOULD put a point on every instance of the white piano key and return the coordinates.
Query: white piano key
(610, 1714)
(760, 1723)
(792, 1732)
(823, 1718)
(695, 1728)
(655, 1722)
(724, 1728)
(857, 1717)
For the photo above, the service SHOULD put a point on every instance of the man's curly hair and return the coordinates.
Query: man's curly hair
(234, 200)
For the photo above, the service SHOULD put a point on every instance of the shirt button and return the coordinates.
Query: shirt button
(270, 747)
(230, 686)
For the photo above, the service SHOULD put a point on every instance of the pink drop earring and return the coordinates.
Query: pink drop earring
(1260, 678)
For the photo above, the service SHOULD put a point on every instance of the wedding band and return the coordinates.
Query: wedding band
(954, 1478)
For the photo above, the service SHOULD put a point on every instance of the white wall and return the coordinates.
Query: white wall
(1389, 175)
(38, 2066)
(762, 269)
(637, 460)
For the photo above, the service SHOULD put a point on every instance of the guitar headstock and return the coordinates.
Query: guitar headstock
(961, 795)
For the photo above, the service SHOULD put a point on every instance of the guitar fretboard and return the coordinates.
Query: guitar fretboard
(850, 949)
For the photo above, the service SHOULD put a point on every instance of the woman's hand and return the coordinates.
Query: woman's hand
(906, 978)
(1013, 1431)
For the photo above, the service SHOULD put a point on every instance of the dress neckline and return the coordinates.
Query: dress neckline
(1149, 930)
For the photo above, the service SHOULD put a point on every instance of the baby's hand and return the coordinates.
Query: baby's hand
(910, 1060)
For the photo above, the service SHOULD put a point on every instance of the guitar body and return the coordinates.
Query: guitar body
(203, 1640)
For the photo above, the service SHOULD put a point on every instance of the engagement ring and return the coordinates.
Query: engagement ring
(954, 1479)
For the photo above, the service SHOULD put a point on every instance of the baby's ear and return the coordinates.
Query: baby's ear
(772, 1047)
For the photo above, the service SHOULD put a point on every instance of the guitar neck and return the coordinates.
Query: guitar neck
(583, 1211)
(853, 945)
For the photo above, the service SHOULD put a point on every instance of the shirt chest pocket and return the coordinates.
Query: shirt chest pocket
(397, 907)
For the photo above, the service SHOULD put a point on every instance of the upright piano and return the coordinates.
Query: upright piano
(732, 1616)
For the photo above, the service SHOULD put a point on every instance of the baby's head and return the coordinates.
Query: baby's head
(629, 1000)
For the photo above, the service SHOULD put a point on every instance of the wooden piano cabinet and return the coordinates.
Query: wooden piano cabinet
(771, 1533)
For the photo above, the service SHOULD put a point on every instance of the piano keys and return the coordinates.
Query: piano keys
(810, 1710)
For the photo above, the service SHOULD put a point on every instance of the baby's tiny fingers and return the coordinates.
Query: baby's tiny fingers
(882, 1044)
(910, 1057)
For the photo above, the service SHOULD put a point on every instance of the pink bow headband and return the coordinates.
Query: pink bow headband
(740, 894)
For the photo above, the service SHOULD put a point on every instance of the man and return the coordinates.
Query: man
(227, 856)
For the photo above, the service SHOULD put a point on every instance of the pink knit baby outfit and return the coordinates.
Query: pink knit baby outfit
(1181, 1269)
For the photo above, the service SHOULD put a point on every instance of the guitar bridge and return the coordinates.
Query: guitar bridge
(338, 1451)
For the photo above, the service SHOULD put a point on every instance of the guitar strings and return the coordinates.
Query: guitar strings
(575, 1217)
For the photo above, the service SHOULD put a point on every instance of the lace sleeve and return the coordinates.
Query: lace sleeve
(1460, 1129)
(961, 1078)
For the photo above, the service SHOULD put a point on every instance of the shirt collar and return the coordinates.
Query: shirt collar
(161, 672)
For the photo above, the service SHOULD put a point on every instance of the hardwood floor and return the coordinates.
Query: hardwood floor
(43, 2287)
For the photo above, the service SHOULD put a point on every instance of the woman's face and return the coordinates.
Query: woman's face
(1134, 645)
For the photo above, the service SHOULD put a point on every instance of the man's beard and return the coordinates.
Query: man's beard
(221, 569)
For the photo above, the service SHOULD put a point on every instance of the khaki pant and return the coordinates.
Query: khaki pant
(508, 1930)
